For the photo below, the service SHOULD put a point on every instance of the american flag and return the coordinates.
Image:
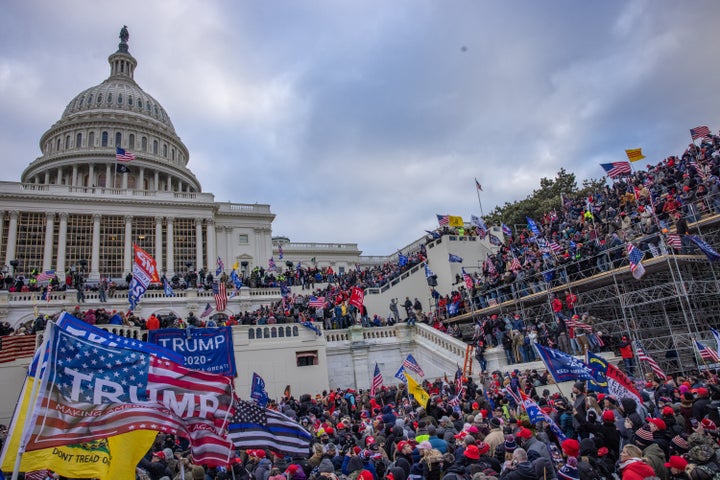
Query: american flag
(643, 356)
(706, 353)
(616, 169)
(208, 310)
(45, 276)
(570, 322)
(377, 381)
(38, 475)
(316, 302)
(674, 240)
(256, 427)
(411, 364)
(220, 294)
(95, 391)
(490, 265)
(635, 256)
(699, 132)
(13, 347)
(467, 279)
(554, 246)
(121, 155)
(271, 265)
(494, 240)
(458, 381)
(515, 264)
(507, 231)
(477, 185)
(443, 220)
(219, 267)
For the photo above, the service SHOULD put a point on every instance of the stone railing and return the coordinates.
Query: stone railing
(441, 340)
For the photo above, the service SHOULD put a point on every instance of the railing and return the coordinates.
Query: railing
(441, 340)
(71, 295)
(394, 281)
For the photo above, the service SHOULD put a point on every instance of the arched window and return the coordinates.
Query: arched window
(155, 147)
(266, 332)
(140, 104)
(67, 142)
(91, 139)
(131, 141)
(130, 101)
(273, 332)
(99, 100)
(173, 154)
(109, 97)
(118, 138)
(143, 145)
(78, 140)
(119, 98)
(89, 99)
(57, 146)
(251, 334)
(165, 150)
(104, 140)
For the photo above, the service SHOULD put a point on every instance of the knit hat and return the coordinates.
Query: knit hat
(510, 444)
(326, 466)
(483, 448)
(495, 422)
(571, 447)
(708, 424)
(644, 436)
(679, 443)
(569, 471)
(424, 445)
(472, 452)
(580, 386)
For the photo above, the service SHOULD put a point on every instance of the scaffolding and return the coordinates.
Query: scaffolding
(676, 302)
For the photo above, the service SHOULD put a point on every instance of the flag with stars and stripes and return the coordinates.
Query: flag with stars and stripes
(90, 391)
(377, 381)
(706, 353)
(255, 427)
(635, 256)
(220, 294)
(699, 132)
(644, 357)
(411, 364)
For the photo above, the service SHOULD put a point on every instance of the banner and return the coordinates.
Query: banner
(257, 391)
(414, 389)
(111, 458)
(144, 273)
(563, 367)
(206, 349)
(90, 392)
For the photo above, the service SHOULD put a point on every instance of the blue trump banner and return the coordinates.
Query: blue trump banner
(564, 367)
(206, 349)
(258, 392)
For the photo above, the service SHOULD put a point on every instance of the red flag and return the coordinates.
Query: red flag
(357, 297)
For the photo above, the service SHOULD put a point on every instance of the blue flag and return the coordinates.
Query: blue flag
(507, 231)
(454, 258)
(598, 365)
(494, 240)
(533, 226)
(435, 235)
(400, 374)
(709, 252)
(564, 367)
(258, 392)
(452, 308)
(220, 266)
(428, 272)
(402, 260)
(236, 279)
(167, 288)
(312, 327)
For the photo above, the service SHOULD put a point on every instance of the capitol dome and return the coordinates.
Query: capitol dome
(80, 148)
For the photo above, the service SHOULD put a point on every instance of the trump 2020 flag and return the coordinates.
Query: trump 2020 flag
(563, 367)
(91, 391)
(144, 273)
(258, 392)
(454, 258)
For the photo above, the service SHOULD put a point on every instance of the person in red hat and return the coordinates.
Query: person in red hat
(677, 466)
(526, 439)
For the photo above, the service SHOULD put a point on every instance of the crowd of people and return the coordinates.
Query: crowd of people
(476, 431)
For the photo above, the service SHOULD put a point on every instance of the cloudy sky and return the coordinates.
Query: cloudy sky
(359, 120)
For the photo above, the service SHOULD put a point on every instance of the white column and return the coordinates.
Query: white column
(170, 270)
(47, 177)
(124, 180)
(95, 260)
(141, 181)
(74, 176)
(12, 240)
(157, 181)
(108, 176)
(198, 244)
(59, 179)
(91, 176)
(211, 255)
(62, 240)
(168, 184)
(158, 242)
(127, 248)
(48, 250)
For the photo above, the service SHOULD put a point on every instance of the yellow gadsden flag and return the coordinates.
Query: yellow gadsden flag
(634, 154)
(414, 388)
(454, 221)
(110, 459)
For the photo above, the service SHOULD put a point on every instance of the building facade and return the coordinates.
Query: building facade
(77, 207)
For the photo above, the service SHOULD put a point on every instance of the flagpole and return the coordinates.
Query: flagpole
(478, 188)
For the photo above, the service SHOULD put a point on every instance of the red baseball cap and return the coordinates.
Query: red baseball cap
(523, 433)
(658, 422)
(676, 461)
